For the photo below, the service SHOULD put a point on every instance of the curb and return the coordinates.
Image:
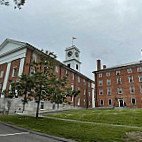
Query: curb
(37, 133)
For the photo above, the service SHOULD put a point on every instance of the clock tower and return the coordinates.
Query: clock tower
(72, 58)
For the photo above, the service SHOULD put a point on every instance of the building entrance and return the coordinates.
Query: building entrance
(121, 103)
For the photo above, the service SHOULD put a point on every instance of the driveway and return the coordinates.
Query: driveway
(9, 133)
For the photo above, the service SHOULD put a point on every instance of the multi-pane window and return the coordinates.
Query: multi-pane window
(130, 79)
(141, 88)
(84, 101)
(100, 83)
(133, 101)
(65, 72)
(56, 68)
(84, 82)
(72, 76)
(117, 72)
(101, 102)
(108, 82)
(1, 74)
(109, 101)
(139, 69)
(34, 57)
(109, 91)
(84, 91)
(108, 74)
(89, 94)
(72, 87)
(132, 89)
(78, 88)
(119, 90)
(100, 75)
(129, 70)
(100, 92)
(118, 80)
(0, 85)
(140, 78)
(89, 84)
(14, 71)
(78, 79)
(32, 71)
(42, 105)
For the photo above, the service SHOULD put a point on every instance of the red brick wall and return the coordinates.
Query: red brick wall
(125, 85)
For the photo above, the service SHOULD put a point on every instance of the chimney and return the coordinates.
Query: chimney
(104, 66)
(98, 65)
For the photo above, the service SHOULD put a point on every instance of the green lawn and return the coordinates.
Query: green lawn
(131, 117)
(71, 130)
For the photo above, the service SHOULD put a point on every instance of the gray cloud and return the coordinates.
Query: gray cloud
(105, 29)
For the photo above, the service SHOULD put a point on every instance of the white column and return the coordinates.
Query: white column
(93, 100)
(6, 78)
(21, 67)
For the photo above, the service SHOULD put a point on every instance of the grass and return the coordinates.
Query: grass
(70, 130)
(131, 117)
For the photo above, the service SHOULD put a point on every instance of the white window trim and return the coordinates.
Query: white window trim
(108, 80)
(101, 90)
(139, 78)
(1, 74)
(100, 102)
(108, 102)
(135, 101)
(109, 91)
(118, 91)
(100, 75)
(120, 81)
(117, 72)
(129, 79)
(108, 74)
(130, 90)
(139, 69)
(14, 73)
(101, 83)
(129, 70)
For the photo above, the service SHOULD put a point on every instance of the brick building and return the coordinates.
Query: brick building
(119, 86)
(14, 56)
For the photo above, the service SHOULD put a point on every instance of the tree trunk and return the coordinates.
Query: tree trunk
(38, 103)
(23, 107)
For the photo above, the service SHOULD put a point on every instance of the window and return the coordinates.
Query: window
(72, 76)
(129, 70)
(100, 75)
(84, 92)
(130, 79)
(14, 71)
(84, 82)
(76, 66)
(89, 103)
(109, 102)
(69, 65)
(78, 88)
(84, 101)
(89, 94)
(141, 88)
(32, 71)
(1, 74)
(72, 98)
(0, 85)
(56, 68)
(34, 57)
(101, 102)
(100, 92)
(117, 72)
(139, 69)
(109, 91)
(140, 78)
(89, 84)
(108, 74)
(42, 105)
(78, 101)
(100, 83)
(108, 82)
(119, 90)
(118, 80)
(78, 79)
(133, 101)
(72, 87)
(65, 72)
(132, 89)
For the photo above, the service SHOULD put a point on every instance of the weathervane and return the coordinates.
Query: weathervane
(73, 38)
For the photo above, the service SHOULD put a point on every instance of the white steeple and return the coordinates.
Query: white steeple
(72, 58)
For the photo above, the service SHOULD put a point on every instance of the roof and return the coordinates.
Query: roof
(127, 65)
(25, 44)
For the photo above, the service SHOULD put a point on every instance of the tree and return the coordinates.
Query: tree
(42, 83)
(17, 3)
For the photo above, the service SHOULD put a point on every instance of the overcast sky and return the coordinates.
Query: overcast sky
(110, 30)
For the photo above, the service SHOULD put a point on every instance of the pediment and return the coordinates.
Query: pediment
(10, 45)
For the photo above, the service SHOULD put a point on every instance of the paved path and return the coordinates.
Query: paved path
(10, 133)
(85, 122)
